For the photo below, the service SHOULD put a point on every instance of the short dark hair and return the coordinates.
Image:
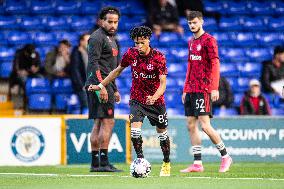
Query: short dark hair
(81, 37)
(140, 31)
(108, 10)
(194, 14)
(65, 42)
(278, 49)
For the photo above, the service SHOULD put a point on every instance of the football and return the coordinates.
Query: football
(140, 168)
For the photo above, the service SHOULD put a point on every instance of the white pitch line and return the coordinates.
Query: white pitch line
(78, 175)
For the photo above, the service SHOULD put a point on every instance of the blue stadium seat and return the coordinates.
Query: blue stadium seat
(180, 53)
(223, 39)
(57, 23)
(68, 7)
(43, 51)
(258, 54)
(225, 112)
(3, 40)
(236, 8)
(272, 99)
(31, 23)
(73, 105)
(171, 83)
(237, 99)
(260, 8)
(43, 39)
(244, 39)
(230, 24)
(277, 111)
(39, 101)
(72, 37)
(8, 22)
(250, 69)
(177, 68)
(213, 7)
(279, 7)
(16, 7)
(243, 84)
(18, 38)
(81, 23)
(61, 86)
(229, 70)
(120, 83)
(122, 6)
(233, 54)
(173, 99)
(269, 39)
(253, 24)
(276, 24)
(168, 38)
(42, 7)
(90, 7)
(5, 69)
(233, 83)
(121, 110)
(124, 39)
(175, 111)
(210, 24)
(61, 101)
(136, 11)
(37, 85)
(6, 54)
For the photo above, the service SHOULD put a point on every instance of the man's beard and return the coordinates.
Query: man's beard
(196, 31)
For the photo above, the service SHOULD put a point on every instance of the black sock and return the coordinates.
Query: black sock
(95, 158)
(104, 157)
(166, 149)
(223, 152)
(137, 144)
(222, 149)
(197, 157)
(196, 151)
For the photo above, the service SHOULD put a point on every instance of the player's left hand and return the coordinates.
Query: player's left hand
(117, 97)
(94, 88)
(150, 100)
(214, 95)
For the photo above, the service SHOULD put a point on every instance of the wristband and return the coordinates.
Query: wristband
(101, 86)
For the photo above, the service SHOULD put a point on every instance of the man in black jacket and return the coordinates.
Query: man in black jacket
(273, 70)
(79, 62)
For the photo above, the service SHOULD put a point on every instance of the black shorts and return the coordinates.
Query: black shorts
(198, 104)
(98, 109)
(157, 115)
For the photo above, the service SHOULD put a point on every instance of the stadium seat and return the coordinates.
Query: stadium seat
(277, 111)
(276, 24)
(72, 37)
(250, 69)
(223, 39)
(233, 54)
(44, 39)
(43, 51)
(61, 86)
(73, 105)
(213, 7)
(243, 84)
(230, 24)
(229, 70)
(138, 11)
(173, 99)
(6, 54)
(167, 39)
(237, 99)
(122, 6)
(258, 54)
(124, 39)
(39, 101)
(272, 99)
(233, 83)
(269, 39)
(120, 83)
(175, 111)
(90, 7)
(16, 38)
(171, 83)
(225, 112)
(5, 69)
(260, 8)
(210, 24)
(253, 24)
(244, 39)
(179, 53)
(37, 85)
(61, 101)
(57, 23)
(279, 8)
(16, 7)
(236, 8)
(31, 23)
(177, 68)
(42, 7)
(8, 22)
(67, 7)
(3, 41)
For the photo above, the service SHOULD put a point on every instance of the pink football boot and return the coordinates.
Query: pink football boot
(193, 168)
(225, 164)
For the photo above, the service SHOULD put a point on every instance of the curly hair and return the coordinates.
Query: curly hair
(108, 10)
(140, 31)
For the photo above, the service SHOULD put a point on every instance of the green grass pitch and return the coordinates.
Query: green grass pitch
(241, 175)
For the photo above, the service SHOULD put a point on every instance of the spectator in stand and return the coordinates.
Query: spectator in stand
(226, 96)
(273, 72)
(25, 64)
(78, 66)
(253, 102)
(185, 6)
(57, 61)
(165, 17)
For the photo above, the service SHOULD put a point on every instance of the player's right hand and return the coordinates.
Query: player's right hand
(104, 95)
(94, 88)
(183, 97)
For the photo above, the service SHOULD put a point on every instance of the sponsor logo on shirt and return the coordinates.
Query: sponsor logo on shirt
(134, 62)
(150, 67)
(143, 75)
(195, 57)
(198, 48)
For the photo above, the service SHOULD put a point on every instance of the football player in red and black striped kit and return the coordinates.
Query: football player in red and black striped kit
(200, 89)
(149, 73)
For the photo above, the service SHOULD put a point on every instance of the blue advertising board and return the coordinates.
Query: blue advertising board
(78, 132)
